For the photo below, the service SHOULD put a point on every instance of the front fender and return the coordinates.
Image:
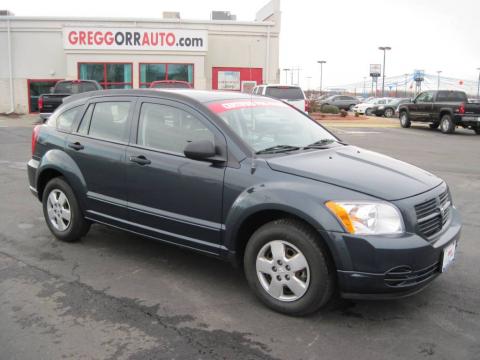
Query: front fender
(60, 161)
(296, 199)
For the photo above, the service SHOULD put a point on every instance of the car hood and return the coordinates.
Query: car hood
(360, 170)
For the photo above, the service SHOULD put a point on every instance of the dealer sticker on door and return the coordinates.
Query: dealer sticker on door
(448, 255)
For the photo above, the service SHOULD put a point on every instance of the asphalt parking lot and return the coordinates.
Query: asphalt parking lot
(119, 296)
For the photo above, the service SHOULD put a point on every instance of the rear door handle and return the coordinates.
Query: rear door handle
(141, 160)
(76, 146)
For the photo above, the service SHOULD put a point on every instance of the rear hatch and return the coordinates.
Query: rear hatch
(291, 94)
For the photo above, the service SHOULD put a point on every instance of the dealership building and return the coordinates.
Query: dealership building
(220, 53)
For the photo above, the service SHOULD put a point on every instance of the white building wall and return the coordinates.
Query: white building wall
(38, 53)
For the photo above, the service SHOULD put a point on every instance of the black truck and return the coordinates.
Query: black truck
(446, 109)
(47, 103)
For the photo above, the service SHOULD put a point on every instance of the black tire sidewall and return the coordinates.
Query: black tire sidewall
(407, 122)
(321, 280)
(78, 225)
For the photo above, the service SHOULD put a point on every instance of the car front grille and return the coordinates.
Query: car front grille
(433, 214)
(404, 276)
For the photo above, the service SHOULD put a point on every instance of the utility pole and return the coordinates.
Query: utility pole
(321, 62)
(406, 84)
(438, 79)
(286, 75)
(384, 49)
(364, 85)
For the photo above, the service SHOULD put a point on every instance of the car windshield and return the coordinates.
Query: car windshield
(270, 124)
(69, 87)
(175, 85)
(372, 101)
(284, 92)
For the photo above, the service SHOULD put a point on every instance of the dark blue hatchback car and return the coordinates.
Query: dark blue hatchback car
(248, 179)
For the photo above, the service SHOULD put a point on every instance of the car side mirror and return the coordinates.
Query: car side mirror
(202, 150)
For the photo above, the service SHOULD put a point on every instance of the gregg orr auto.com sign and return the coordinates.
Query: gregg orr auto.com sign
(134, 39)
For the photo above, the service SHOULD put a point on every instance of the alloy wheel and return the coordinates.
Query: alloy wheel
(58, 209)
(283, 270)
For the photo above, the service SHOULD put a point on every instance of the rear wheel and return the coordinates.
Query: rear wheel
(404, 120)
(446, 124)
(288, 268)
(62, 212)
(389, 113)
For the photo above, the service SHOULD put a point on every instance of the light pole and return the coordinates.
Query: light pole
(286, 75)
(438, 79)
(321, 62)
(384, 49)
(364, 86)
(478, 84)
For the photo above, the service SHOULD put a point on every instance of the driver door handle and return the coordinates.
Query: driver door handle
(76, 146)
(140, 160)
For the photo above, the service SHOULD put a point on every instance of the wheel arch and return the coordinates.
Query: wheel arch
(239, 238)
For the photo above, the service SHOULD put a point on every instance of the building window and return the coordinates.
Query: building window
(37, 88)
(108, 75)
(156, 72)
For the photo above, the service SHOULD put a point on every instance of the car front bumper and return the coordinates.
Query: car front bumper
(32, 167)
(385, 267)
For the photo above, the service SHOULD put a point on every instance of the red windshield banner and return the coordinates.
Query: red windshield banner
(219, 107)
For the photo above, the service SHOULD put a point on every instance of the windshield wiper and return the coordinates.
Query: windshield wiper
(278, 149)
(323, 144)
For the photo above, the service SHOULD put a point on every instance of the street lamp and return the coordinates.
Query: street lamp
(384, 49)
(478, 84)
(438, 79)
(286, 75)
(321, 62)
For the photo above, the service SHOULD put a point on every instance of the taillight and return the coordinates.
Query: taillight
(461, 108)
(307, 106)
(35, 132)
(40, 103)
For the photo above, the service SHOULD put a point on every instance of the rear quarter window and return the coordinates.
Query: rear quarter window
(285, 93)
(64, 121)
(452, 96)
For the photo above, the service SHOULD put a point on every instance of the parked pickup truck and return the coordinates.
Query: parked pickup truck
(446, 109)
(47, 103)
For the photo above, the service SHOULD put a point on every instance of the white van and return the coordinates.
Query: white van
(292, 94)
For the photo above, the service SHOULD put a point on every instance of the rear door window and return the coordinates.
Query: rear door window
(110, 121)
(285, 93)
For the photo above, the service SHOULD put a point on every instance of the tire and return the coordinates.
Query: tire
(446, 124)
(58, 201)
(404, 120)
(389, 113)
(350, 108)
(316, 272)
(368, 112)
(434, 125)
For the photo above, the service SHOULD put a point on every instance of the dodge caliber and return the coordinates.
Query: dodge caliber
(248, 179)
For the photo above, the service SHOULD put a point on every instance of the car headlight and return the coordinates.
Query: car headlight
(367, 218)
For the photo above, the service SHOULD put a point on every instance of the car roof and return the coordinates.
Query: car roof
(202, 96)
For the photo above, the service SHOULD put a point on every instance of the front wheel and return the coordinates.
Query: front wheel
(288, 268)
(404, 120)
(446, 124)
(368, 112)
(389, 113)
(62, 212)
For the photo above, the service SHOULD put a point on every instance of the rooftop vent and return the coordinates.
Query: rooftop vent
(6, 13)
(171, 15)
(223, 15)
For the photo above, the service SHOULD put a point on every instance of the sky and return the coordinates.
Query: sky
(424, 34)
